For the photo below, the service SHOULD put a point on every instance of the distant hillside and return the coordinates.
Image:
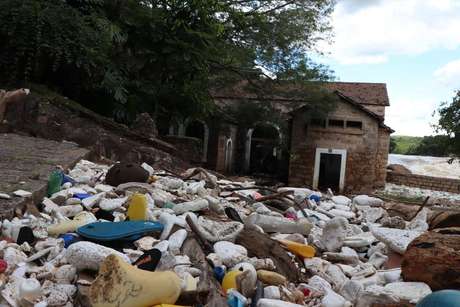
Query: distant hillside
(403, 144)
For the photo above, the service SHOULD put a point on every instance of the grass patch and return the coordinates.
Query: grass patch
(400, 198)
(404, 143)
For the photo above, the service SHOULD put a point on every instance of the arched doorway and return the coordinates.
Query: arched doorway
(264, 149)
(228, 163)
(198, 129)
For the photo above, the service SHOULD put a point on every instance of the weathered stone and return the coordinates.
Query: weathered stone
(396, 239)
(438, 253)
(145, 125)
(334, 233)
(408, 291)
(393, 222)
(230, 253)
(371, 214)
(365, 200)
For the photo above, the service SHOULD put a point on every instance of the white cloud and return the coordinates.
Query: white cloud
(411, 116)
(371, 31)
(449, 74)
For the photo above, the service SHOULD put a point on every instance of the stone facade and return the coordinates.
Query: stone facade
(288, 152)
(366, 148)
(223, 143)
(425, 182)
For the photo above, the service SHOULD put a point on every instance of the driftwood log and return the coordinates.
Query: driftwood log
(209, 292)
(434, 258)
(445, 220)
(260, 245)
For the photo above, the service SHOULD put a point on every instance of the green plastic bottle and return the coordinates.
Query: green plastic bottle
(54, 182)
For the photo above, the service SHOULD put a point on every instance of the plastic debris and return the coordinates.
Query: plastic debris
(156, 236)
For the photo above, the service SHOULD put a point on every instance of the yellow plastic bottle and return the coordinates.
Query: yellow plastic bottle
(229, 281)
(302, 250)
(137, 209)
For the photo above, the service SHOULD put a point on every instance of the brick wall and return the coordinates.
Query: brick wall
(425, 182)
(366, 149)
(381, 161)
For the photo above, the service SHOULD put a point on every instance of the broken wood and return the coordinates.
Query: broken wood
(277, 195)
(260, 245)
(434, 258)
(203, 242)
(209, 291)
(211, 184)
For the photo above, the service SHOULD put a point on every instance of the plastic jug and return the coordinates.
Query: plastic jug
(137, 210)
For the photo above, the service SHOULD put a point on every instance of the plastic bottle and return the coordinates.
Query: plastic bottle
(137, 210)
(236, 299)
(302, 250)
(29, 289)
(54, 182)
(229, 281)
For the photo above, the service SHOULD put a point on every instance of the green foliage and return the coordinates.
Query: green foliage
(159, 56)
(436, 146)
(393, 145)
(449, 123)
(404, 143)
(51, 42)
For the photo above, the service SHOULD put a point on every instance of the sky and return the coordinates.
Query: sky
(411, 45)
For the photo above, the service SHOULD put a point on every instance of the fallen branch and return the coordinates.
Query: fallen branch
(203, 242)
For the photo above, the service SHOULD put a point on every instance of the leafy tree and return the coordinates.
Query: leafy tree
(436, 146)
(161, 56)
(52, 43)
(393, 145)
(449, 122)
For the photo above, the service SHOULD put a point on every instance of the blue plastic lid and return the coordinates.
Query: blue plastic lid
(82, 196)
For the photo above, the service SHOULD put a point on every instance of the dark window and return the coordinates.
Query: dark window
(317, 122)
(354, 124)
(336, 123)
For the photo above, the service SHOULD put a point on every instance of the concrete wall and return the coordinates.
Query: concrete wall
(425, 182)
(366, 157)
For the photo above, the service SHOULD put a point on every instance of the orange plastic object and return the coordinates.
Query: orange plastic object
(302, 250)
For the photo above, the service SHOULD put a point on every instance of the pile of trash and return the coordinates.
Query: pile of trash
(129, 235)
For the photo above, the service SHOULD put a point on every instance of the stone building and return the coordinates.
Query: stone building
(346, 151)
(349, 149)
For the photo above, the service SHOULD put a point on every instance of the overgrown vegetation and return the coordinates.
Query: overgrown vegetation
(449, 123)
(402, 144)
(435, 146)
(443, 145)
(122, 57)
